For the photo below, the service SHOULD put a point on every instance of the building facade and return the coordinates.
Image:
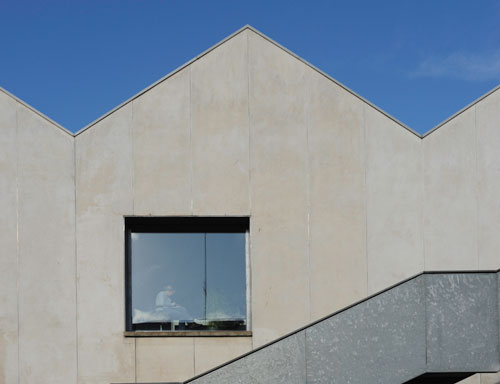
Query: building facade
(343, 201)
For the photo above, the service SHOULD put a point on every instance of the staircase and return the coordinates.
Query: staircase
(433, 328)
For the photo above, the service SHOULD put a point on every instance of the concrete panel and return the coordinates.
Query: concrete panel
(104, 195)
(490, 378)
(475, 379)
(279, 228)
(282, 362)
(164, 359)
(394, 202)
(161, 146)
(432, 323)
(220, 138)
(337, 197)
(104, 354)
(455, 302)
(450, 195)
(488, 168)
(213, 351)
(8, 241)
(235, 373)
(381, 340)
(494, 378)
(47, 287)
(104, 166)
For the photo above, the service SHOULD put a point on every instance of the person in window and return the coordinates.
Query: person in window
(167, 307)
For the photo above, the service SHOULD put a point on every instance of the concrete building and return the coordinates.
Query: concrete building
(343, 202)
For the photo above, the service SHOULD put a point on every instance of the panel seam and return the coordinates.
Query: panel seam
(17, 246)
(194, 356)
(476, 190)
(132, 150)
(135, 360)
(132, 182)
(191, 170)
(308, 197)
(76, 260)
(423, 200)
(248, 240)
(365, 155)
(249, 127)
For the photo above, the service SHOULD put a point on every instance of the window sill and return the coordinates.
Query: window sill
(187, 333)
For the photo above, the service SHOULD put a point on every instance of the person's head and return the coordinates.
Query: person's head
(169, 290)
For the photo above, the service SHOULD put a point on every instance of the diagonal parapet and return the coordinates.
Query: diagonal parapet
(432, 328)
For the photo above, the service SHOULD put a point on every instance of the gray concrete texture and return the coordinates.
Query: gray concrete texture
(462, 322)
(434, 323)
(344, 202)
(37, 242)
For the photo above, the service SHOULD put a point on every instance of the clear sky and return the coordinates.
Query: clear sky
(421, 61)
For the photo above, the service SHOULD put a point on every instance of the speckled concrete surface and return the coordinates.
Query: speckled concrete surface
(279, 363)
(447, 322)
(378, 341)
(462, 322)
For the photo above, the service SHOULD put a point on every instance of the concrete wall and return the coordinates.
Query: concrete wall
(394, 202)
(37, 239)
(450, 213)
(9, 330)
(343, 202)
(461, 206)
(104, 194)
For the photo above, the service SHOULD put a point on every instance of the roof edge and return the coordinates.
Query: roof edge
(246, 27)
(36, 111)
(335, 81)
(388, 115)
(456, 114)
(170, 74)
(249, 27)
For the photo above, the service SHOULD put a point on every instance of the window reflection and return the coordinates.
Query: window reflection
(226, 290)
(188, 281)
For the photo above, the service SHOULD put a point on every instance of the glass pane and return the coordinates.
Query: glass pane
(226, 277)
(168, 277)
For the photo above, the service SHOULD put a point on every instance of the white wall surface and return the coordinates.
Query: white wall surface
(337, 196)
(9, 331)
(394, 202)
(278, 190)
(104, 195)
(37, 242)
(450, 203)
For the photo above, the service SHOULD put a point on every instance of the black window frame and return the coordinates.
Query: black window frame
(175, 224)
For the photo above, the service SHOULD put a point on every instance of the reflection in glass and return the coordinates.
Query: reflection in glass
(188, 281)
(226, 288)
(162, 260)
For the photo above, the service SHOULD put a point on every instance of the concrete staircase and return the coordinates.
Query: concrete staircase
(433, 328)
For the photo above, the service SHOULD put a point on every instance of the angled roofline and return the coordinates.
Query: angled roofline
(36, 111)
(161, 80)
(472, 104)
(335, 81)
(246, 27)
(249, 27)
(421, 136)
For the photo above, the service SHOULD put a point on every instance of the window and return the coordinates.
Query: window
(186, 273)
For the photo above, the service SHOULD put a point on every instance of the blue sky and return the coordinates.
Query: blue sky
(421, 61)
